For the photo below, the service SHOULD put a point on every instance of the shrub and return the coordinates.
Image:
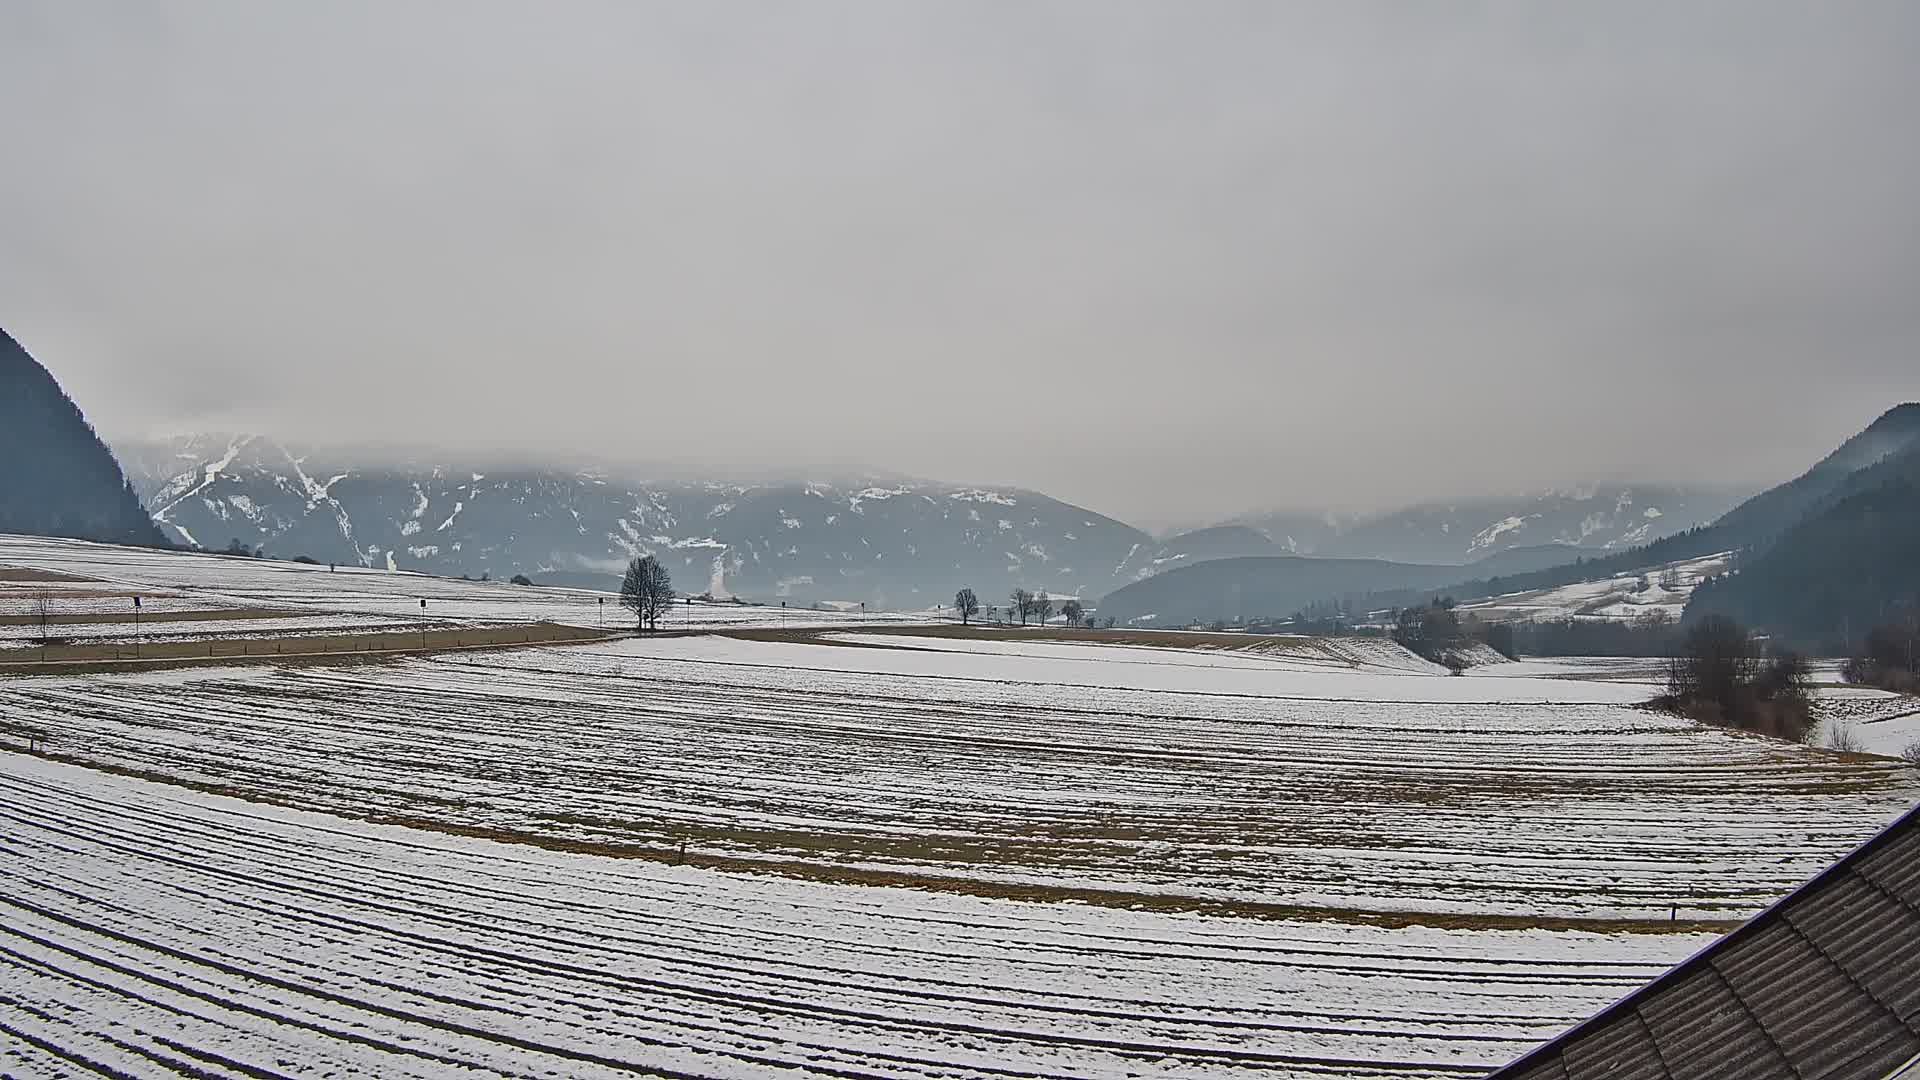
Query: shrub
(1717, 678)
(521, 579)
(1889, 657)
(1911, 755)
(1430, 632)
(1786, 677)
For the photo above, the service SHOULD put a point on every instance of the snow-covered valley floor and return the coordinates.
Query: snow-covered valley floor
(864, 855)
(149, 930)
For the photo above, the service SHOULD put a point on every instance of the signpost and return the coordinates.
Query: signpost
(136, 626)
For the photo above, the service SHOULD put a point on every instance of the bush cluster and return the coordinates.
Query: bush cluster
(1718, 677)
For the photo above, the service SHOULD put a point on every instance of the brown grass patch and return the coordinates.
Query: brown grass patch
(28, 573)
(96, 618)
(82, 659)
(1157, 639)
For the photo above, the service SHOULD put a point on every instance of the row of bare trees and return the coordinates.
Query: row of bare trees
(1022, 605)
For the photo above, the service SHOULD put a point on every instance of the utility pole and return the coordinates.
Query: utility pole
(603, 613)
(136, 626)
(423, 624)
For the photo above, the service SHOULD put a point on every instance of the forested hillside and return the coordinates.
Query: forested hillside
(56, 477)
(1844, 568)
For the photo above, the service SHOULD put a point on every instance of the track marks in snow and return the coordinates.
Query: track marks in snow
(148, 925)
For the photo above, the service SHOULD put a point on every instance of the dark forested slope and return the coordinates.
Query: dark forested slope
(56, 477)
(1843, 568)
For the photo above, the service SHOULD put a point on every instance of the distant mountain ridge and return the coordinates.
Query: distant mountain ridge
(56, 477)
(884, 540)
(1814, 557)
(1601, 517)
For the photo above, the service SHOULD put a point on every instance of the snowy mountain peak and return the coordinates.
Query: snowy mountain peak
(885, 539)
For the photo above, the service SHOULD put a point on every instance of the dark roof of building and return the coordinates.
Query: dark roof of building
(1824, 985)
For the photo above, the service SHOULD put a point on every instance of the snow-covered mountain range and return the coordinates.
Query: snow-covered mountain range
(886, 541)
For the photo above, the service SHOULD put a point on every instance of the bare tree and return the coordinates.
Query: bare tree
(967, 604)
(1717, 659)
(1072, 610)
(1021, 604)
(1043, 607)
(647, 591)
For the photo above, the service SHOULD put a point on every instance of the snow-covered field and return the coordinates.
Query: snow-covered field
(1172, 777)
(1860, 718)
(157, 931)
(907, 853)
(214, 581)
(1873, 721)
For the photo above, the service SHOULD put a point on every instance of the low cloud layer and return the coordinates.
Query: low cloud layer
(1169, 260)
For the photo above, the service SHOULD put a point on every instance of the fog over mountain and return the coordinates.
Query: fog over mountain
(1168, 262)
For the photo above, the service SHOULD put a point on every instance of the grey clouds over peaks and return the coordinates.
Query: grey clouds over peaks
(1165, 261)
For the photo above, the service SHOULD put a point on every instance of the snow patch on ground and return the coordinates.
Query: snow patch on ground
(981, 495)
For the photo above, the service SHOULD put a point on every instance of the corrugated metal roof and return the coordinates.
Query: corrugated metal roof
(1824, 985)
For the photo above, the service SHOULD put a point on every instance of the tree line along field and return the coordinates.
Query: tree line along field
(842, 852)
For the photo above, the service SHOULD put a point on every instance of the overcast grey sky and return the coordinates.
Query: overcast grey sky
(1163, 259)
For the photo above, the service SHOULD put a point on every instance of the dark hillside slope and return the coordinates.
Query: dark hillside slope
(1838, 572)
(1198, 546)
(1260, 587)
(1772, 512)
(56, 477)
(1523, 560)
